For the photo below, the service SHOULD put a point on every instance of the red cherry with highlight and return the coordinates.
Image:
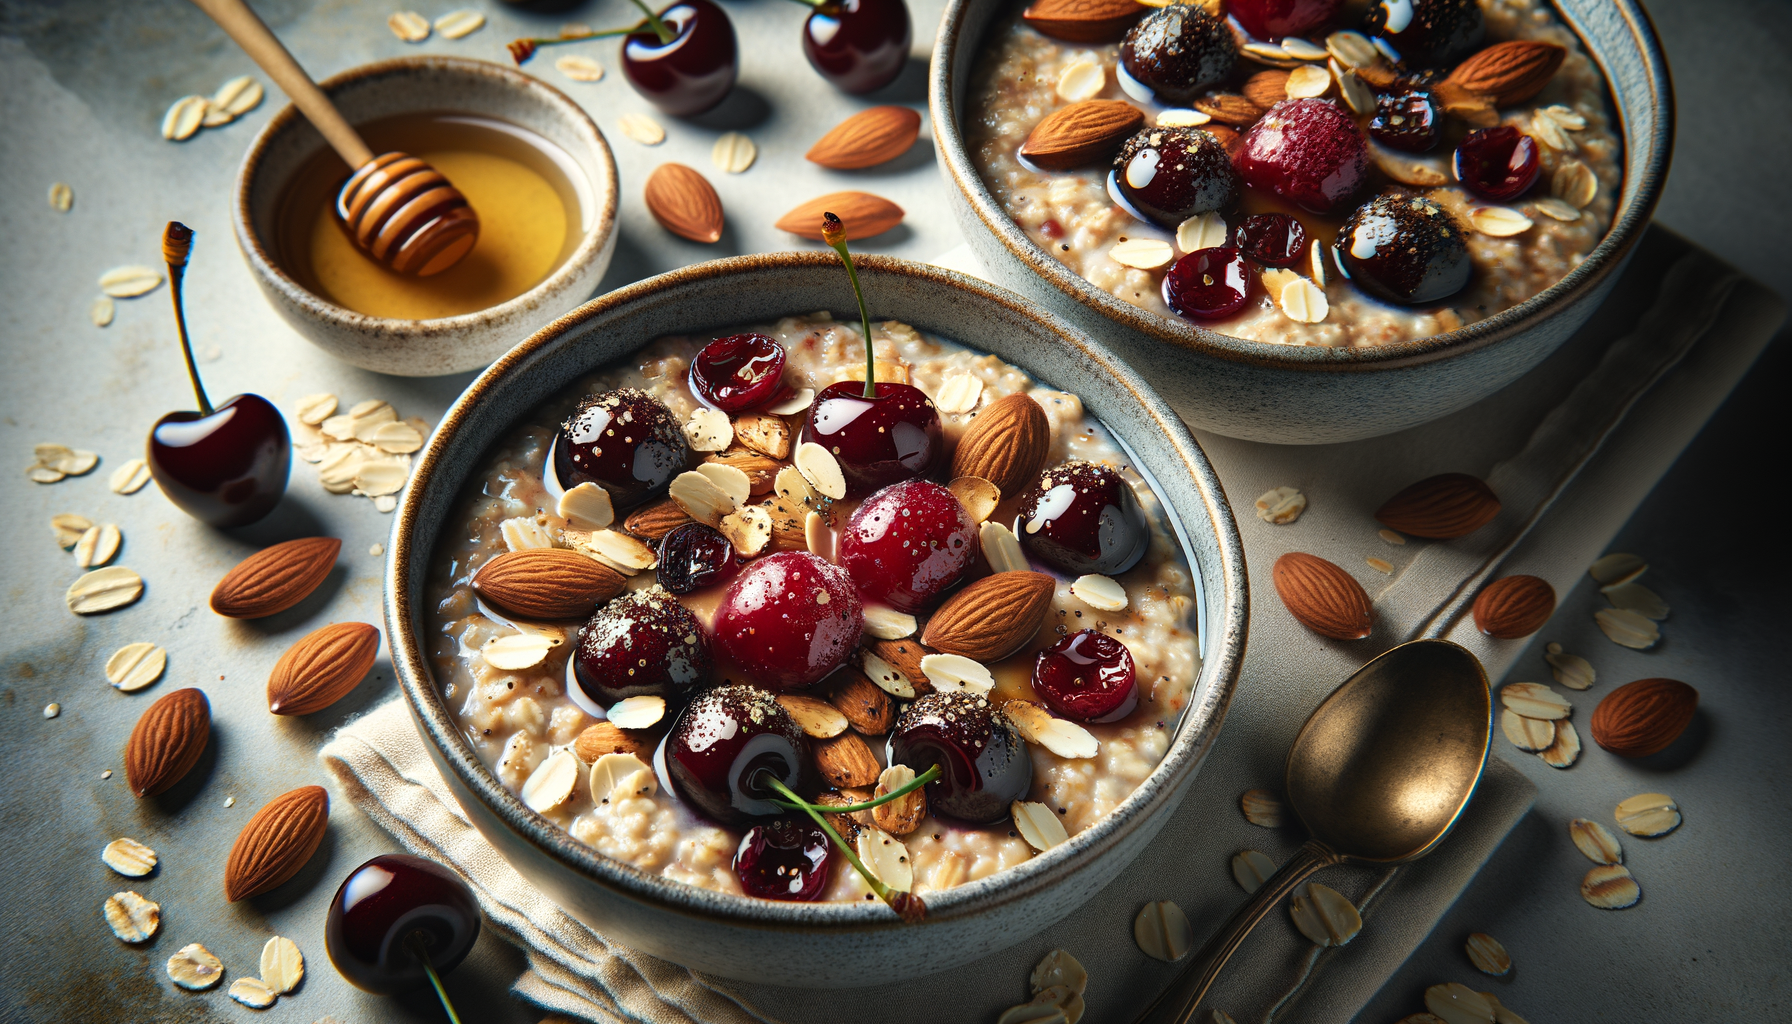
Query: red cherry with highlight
(1273, 19)
(381, 904)
(1087, 676)
(721, 743)
(624, 441)
(1306, 151)
(738, 372)
(908, 544)
(877, 441)
(227, 467)
(859, 45)
(1273, 239)
(1209, 284)
(786, 859)
(642, 643)
(985, 762)
(1083, 517)
(694, 70)
(789, 619)
(1498, 163)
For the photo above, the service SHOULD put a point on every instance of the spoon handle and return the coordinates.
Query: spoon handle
(1177, 1004)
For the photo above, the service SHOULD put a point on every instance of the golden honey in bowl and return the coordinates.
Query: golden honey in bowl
(533, 201)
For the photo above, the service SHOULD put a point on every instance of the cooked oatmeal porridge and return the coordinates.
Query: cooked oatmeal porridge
(1507, 238)
(632, 786)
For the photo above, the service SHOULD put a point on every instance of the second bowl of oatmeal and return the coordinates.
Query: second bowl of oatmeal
(1315, 222)
(654, 559)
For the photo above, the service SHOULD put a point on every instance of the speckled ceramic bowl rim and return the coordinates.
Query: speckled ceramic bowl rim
(596, 237)
(1224, 637)
(1606, 257)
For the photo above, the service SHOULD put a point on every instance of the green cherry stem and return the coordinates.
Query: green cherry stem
(833, 232)
(414, 942)
(177, 245)
(907, 905)
(930, 775)
(659, 26)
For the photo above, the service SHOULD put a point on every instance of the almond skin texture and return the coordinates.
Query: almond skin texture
(1323, 597)
(761, 469)
(867, 708)
(547, 583)
(1644, 717)
(685, 203)
(1266, 88)
(656, 520)
(1441, 507)
(1080, 134)
(904, 656)
(845, 760)
(277, 842)
(167, 741)
(275, 578)
(322, 668)
(863, 214)
(603, 738)
(993, 617)
(868, 138)
(1229, 108)
(1006, 444)
(1508, 72)
(1514, 607)
(1084, 21)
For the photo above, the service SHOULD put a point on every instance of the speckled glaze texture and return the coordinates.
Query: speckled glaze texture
(807, 944)
(426, 348)
(1316, 395)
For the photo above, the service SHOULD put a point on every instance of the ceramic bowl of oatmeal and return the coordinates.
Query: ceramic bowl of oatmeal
(1315, 222)
(665, 554)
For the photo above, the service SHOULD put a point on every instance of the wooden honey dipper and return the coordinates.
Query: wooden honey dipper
(398, 209)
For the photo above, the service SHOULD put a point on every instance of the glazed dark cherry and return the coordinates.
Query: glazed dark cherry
(859, 45)
(1087, 676)
(738, 372)
(1168, 175)
(720, 744)
(642, 643)
(1209, 284)
(1307, 151)
(228, 468)
(1082, 517)
(1273, 239)
(787, 859)
(1403, 248)
(1498, 163)
(624, 441)
(692, 557)
(1273, 19)
(908, 544)
(789, 619)
(381, 904)
(983, 759)
(692, 72)
(1428, 32)
(877, 441)
(1409, 121)
(1174, 54)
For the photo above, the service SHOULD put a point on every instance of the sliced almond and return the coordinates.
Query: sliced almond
(517, 652)
(1064, 738)
(818, 536)
(1182, 117)
(1556, 209)
(1038, 825)
(887, 858)
(580, 68)
(184, 118)
(1627, 628)
(1059, 968)
(134, 666)
(1316, 261)
(1565, 749)
(887, 623)
(282, 965)
(1081, 80)
(1262, 808)
(195, 968)
(1617, 569)
(520, 533)
(1610, 887)
(1357, 94)
(1142, 253)
(1280, 505)
(586, 507)
(1498, 221)
(815, 717)
(1596, 841)
(904, 814)
(1352, 49)
(1307, 81)
(618, 550)
(1488, 956)
(733, 481)
(978, 496)
(733, 153)
(1570, 670)
(1405, 169)
(748, 528)
(128, 857)
(956, 672)
(1534, 700)
(641, 712)
(1300, 49)
(1250, 869)
(1101, 593)
(132, 917)
(1648, 815)
(1203, 231)
(1527, 733)
(102, 590)
(1634, 597)
(551, 783)
(799, 401)
(253, 993)
(820, 469)
(1163, 931)
(703, 499)
(888, 678)
(69, 528)
(764, 433)
(457, 24)
(1002, 548)
(709, 430)
(1324, 916)
(97, 546)
(1303, 302)
(612, 770)
(1456, 1003)
(958, 393)
(408, 26)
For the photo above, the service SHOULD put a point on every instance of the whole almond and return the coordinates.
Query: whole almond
(167, 741)
(546, 583)
(322, 668)
(993, 617)
(1006, 444)
(867, 708)
(1227, 137)
(761, 469)
(1084, 21)
(1266, 88)
(1644, 717)
(845, 760)
(905, 657)
(603, 738)
(1508, 71)
(1322, 597)
(1514, 607)
(868, 138)
(1440, 507)
(863, 214)
(685, 203)
(277, 842)
(275, 578)
(1081, 133)
(651, 522)
(1229, 108)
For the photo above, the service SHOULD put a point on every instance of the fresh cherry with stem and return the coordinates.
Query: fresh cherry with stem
(859, 45)
(907, 905)
(398, 921)
(225, 465)
(683, 59)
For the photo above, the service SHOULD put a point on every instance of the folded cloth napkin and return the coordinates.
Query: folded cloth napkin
(1571, 449)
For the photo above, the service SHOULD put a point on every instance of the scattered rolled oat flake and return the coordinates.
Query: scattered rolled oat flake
(1596, 841)
(1571, 670)
(1534, 700)
(134, 666)
(62, 459)
(580, 68)
(1380, 565)
(1251, 868)
(384, 503)
(957, 672)
(282, 965)
(102, 590)
(1261, 807)
(184, 118)
(517, 652)
(1357, 94)
(1307, 81)
(1575, 184)
(69, 528)
(1498, 221)
(1648, 815)
(1064, 738)
(397, 438)
(1162, 931)
(1081, 80)
(62, 198)
(821, 470)
(637, 712)
(102, 310)
(52, 710)
(1038, 824)
(1181, 117)
(130, 281)
(1548, 132)
(733, 153)
(1304, 302)
(1456, 1003)
(44, 474)
(132, 917)
(1529, 734)
(238, 96)
(1002, 548)
(1557, 209)
(887, 623)
(1059, 968)
(195, 968)
(641, 128)
(1034, 1013)
(1565, 749)
(1617, 569)
(1634, 597)
(408, 26)
(376, 550)
(381, 476)
(1301, 49)
(958, 392)
(253, 993)
(1202, 231)
(106, 774)
(799, 401)
(552, 782)
(1390, 536)
(1610, 887)
(1324, 916)
(1102, 593)
(230, 801)
(1280, 505)
(458, 24)
(709, 430)
(1486, 953)
(1627, 628)
(97, 546)
(1142, 253)
(130, 477)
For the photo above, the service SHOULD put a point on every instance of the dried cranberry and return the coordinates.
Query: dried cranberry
(1409, 121)
(1428, 31)
(1087, 676)
(789, 619)
(1307, 151)
(1082, 517)
(786, 859)
(722, 742)
(908, 544)
(1498, 163)
(738, 372)
(642, 643)
(1273, 239)
(1404, 248)
(692, 557)
(624, 441)
(1167, 175)
(1174, 54)
(1273, 19)
(1209, 284)
(983, 758)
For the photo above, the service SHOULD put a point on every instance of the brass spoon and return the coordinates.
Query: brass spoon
(1379, 775)
(398, 209)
